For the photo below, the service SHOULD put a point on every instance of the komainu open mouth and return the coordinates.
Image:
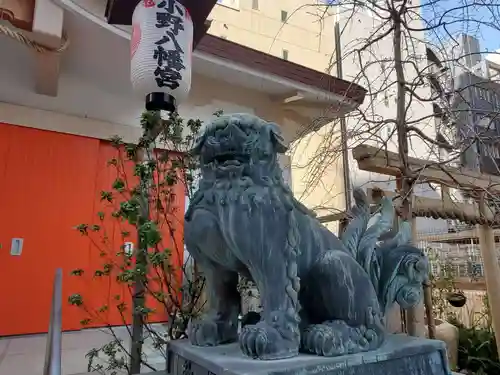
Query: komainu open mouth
(230, 159)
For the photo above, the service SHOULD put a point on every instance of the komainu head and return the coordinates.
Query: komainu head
(240, 145)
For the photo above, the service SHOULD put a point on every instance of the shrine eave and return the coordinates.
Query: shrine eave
(224, 49)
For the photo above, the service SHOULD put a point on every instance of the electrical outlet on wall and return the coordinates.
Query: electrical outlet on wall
(128, 248)
(16, 247)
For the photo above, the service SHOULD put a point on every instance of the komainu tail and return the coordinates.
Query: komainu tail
(360, 239)
(396, 269)
(403, 269)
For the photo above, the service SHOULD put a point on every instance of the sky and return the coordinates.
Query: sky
(489, 37)
(488, 11)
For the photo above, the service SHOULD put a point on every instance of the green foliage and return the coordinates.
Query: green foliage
(107, 196)
(75, 300)
(83, 229)
(139, 207)
(77, 272)
(119, 185)
(477, 352)
(442, 285)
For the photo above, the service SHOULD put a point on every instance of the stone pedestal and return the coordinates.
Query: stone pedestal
(400, 355)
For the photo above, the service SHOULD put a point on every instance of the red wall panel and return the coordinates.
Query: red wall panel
(51, 182)
(46, 188)
(103, 291)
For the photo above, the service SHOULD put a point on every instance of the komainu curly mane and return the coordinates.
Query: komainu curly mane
(239, 185)
(319, 294)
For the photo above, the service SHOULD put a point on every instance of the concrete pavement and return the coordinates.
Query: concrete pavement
(25, 355)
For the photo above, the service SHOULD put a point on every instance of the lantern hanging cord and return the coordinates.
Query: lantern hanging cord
(21, 38)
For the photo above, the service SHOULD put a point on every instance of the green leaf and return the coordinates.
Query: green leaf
(129, 210)
(126, 276)
(108, 267)
(106, 196)
(83, 229)
(158, 258)
(119, 185)
(85, 322)
(122, 307)
(116, 141)
(77, 272)
(75, 300)
(131, 151)
(148, 232)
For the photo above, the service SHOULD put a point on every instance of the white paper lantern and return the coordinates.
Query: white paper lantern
(161, 49)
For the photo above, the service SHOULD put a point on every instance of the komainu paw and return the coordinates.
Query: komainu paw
(262, 341)
(337, 338)
(212, 332)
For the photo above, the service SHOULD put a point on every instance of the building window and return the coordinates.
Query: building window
(494, 99)
(481, 93)
(284, 15)
(493, 151)
(255, 4)
(485, 122)
(284, 54)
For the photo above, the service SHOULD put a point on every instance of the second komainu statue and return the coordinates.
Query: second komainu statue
(320, 294)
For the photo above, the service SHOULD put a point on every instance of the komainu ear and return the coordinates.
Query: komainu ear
(277, 139)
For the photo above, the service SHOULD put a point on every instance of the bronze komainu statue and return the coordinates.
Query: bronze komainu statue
(320, 295)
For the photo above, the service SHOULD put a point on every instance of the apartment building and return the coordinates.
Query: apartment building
(466, 85)
(377, 74)
(363, 30)
(301, 32)
(294, 30)
(467, 112)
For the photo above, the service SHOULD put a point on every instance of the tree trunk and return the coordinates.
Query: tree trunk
(138, 298)
(144, 155)
(401, 131)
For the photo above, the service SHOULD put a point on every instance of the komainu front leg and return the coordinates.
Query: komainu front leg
(220, 324)
(342, 308)
(277, 335)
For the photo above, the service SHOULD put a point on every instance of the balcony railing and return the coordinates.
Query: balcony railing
(54, 340)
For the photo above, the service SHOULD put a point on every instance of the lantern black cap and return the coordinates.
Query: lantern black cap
(159, 101)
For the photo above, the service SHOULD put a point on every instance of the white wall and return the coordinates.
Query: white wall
(378, 69)
(307, 34)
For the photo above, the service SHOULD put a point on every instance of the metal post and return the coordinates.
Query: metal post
(343, 124)
(54, 340)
